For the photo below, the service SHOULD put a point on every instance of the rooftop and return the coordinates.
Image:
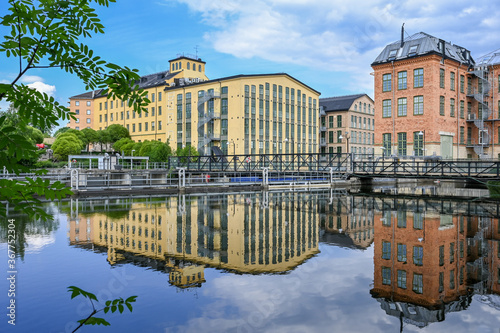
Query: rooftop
(339, 103)
(421, 44)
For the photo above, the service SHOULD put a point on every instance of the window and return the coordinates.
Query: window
(392, 54)
(462, 84)
(77, 103)
(77, 120)
(418, 78)
(88, 111)
(401, 218)
(402, 252)
(462, 135)
(402, 80)
(159, 97)
(339, 135)
(339, 121)
(441, 78)
(330, 121)
(402, 144)
(441, 282)
(402, 107)
(452, 80)
(441, 105)
(159, 125)
(88, 103)
(441, 255)
(401, 279)
(133, 127)
(386, 141)
(386, 275)
(100, 118)
(386, 250)
(386, 108)
(140, 127)
(418, 143)
(413, 50)
(452, 107)
(452, 252)
(88, 120)
(418, 105)
(452, 279)
(418, 283)
(418, 255)
(418, 221)
(462, 109)
(386, 82)
(331, 135)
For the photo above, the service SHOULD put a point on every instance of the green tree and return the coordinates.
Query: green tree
(61, 131)
(157, 151)
(66, 144)
(117, 132)
(103, 138)
(90, 135)
(187, 151)
(50, 34)
(118, 145)
(80, 135)
(127, 148)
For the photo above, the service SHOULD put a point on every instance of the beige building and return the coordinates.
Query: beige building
(83, 108)
(347, 124)
(241, 114)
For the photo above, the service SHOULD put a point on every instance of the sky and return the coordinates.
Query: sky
(327, 44)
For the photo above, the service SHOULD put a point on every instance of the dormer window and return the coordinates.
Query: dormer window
(392, 54)
(413, 50)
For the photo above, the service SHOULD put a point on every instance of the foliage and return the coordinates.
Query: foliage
(50, 34)
(49, 164)
(494, 189)
(156, 150)
(111, 305)
(188, 151)
(66, 144)
(90, 136)
(79, 134)
(103, 137)
(117, 132)
(127, 148)
(118, 145)
(61, 131)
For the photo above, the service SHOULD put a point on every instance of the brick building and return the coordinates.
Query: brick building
(435, 99)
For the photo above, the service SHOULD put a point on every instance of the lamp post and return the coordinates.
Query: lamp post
(347, 137)
(422, 134)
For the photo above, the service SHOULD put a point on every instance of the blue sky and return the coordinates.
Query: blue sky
(327, 44)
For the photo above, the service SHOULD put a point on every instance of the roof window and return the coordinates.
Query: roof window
(413, 50)
(392, 54)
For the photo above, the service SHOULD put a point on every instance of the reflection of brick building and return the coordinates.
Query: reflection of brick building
(419, 257)
(428, 262)
(236, 233)
(347, 221)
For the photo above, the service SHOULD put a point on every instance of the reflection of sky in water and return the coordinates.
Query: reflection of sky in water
(329, 292)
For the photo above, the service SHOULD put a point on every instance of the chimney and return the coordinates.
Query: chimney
(402, 35)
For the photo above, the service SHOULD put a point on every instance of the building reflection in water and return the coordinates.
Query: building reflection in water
(242, 233)
(431, 256)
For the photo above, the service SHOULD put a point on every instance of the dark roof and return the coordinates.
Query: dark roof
(423, 44)
(248, 75)
(189, 58)
(339, 103)
(146, 81)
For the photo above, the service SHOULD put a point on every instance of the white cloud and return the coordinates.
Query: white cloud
(31, 79)
(43, 87)
(336, 35)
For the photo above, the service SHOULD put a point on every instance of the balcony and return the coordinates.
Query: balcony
(322, 142)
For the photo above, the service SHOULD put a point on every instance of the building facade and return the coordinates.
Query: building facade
(434, 99)
(347, 124)
(242, 114)
(83, 108)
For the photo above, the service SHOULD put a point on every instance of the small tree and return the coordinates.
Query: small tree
(187, 151)
(118, 145)
(61, 131)
(90, 136)
(117, 132)
(66, 144)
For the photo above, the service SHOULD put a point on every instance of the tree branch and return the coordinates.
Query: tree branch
(84, 321)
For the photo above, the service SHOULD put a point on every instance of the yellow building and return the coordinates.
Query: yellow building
(241, 114)
(182, 235)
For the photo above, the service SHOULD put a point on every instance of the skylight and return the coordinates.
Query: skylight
(392, 54)
(413, 50)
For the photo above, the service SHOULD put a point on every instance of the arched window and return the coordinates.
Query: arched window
(180, 65)
(199, 68)
(188, 65)
(176, 66)
(355, 107)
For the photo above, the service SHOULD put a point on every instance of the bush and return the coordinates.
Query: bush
(494, 189)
